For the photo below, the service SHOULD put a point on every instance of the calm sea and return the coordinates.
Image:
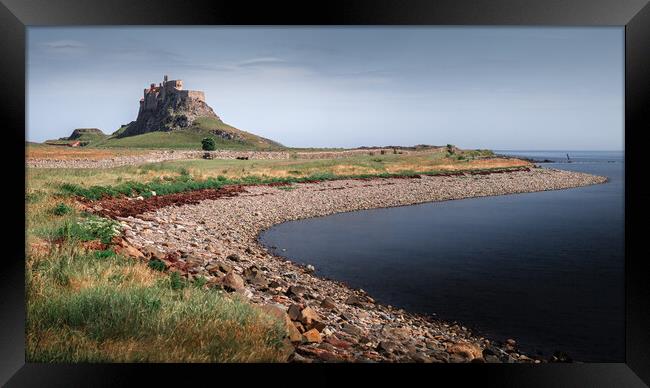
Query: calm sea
(543, 268)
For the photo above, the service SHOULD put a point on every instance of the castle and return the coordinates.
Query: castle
(153, 95)
(166, 107)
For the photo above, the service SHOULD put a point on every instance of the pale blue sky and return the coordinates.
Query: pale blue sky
(476, 87)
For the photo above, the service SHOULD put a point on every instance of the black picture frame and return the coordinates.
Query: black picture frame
(16, 15)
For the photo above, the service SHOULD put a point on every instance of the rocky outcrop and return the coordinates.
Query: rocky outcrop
(170, 110)
(80, 132)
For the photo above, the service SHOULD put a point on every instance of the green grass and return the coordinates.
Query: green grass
(179, 139)
(156, 265)
(61, 209)
(87, 136)
(100, 307)
(88, 228)
(91, 137)
(187, 183)
(191, 138)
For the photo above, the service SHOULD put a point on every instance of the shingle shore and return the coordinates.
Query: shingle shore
(218, 239)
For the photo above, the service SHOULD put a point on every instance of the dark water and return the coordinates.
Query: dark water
(543, 268)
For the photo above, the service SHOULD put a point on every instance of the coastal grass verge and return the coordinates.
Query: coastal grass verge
(87, 303)
(187, 183)
(187, 175)
(94, 305)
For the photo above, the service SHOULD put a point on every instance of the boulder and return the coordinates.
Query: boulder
(334, 341)
(308, 316)
(351, 329)
(312, 336)
(387, 346)
(232, 282)
(251, 272)
(292, 331)
(328, 303)
(466, 350)
(233, 257)
(400, 333)
(294, 311)
(255, 276)
(318, 325)
(213, 269)
(296, 290)
(278, 312)
(129, 251)
(299, 326)
(320, 354)
(224, 267)
(423, 358)
(152, 252)
(300, 359)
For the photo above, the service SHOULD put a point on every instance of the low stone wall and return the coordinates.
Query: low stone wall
(161, 156)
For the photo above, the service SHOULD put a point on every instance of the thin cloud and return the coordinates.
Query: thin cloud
(64, 47)
(260, 61)
(64, 44)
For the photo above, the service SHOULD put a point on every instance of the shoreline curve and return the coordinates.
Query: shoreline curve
(212, 237)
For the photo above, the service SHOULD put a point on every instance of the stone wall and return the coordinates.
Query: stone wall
(171, 85)
(160, 156)
(196, 94)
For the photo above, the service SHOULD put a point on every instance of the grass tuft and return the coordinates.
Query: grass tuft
(61, 209)
(156, 265)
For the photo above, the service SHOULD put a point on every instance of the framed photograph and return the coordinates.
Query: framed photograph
(359, 192)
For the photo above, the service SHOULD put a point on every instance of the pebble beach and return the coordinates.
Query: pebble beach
(326, 320)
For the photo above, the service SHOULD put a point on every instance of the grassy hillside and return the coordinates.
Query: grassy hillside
(86, 136)
(191, 138)
(91, 135)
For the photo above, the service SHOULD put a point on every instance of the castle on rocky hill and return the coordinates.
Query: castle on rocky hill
(166, 107)
(153, 94)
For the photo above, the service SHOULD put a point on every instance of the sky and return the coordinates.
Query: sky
(504, 88)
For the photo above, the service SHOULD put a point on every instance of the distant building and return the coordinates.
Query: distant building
(154, 94)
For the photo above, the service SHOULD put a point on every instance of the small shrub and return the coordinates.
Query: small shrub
(91, 228)
(450, 149)
(176, 282)
(104, 254)
(208, 144)
(61, 209)
(200, 281)
(156, 265)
